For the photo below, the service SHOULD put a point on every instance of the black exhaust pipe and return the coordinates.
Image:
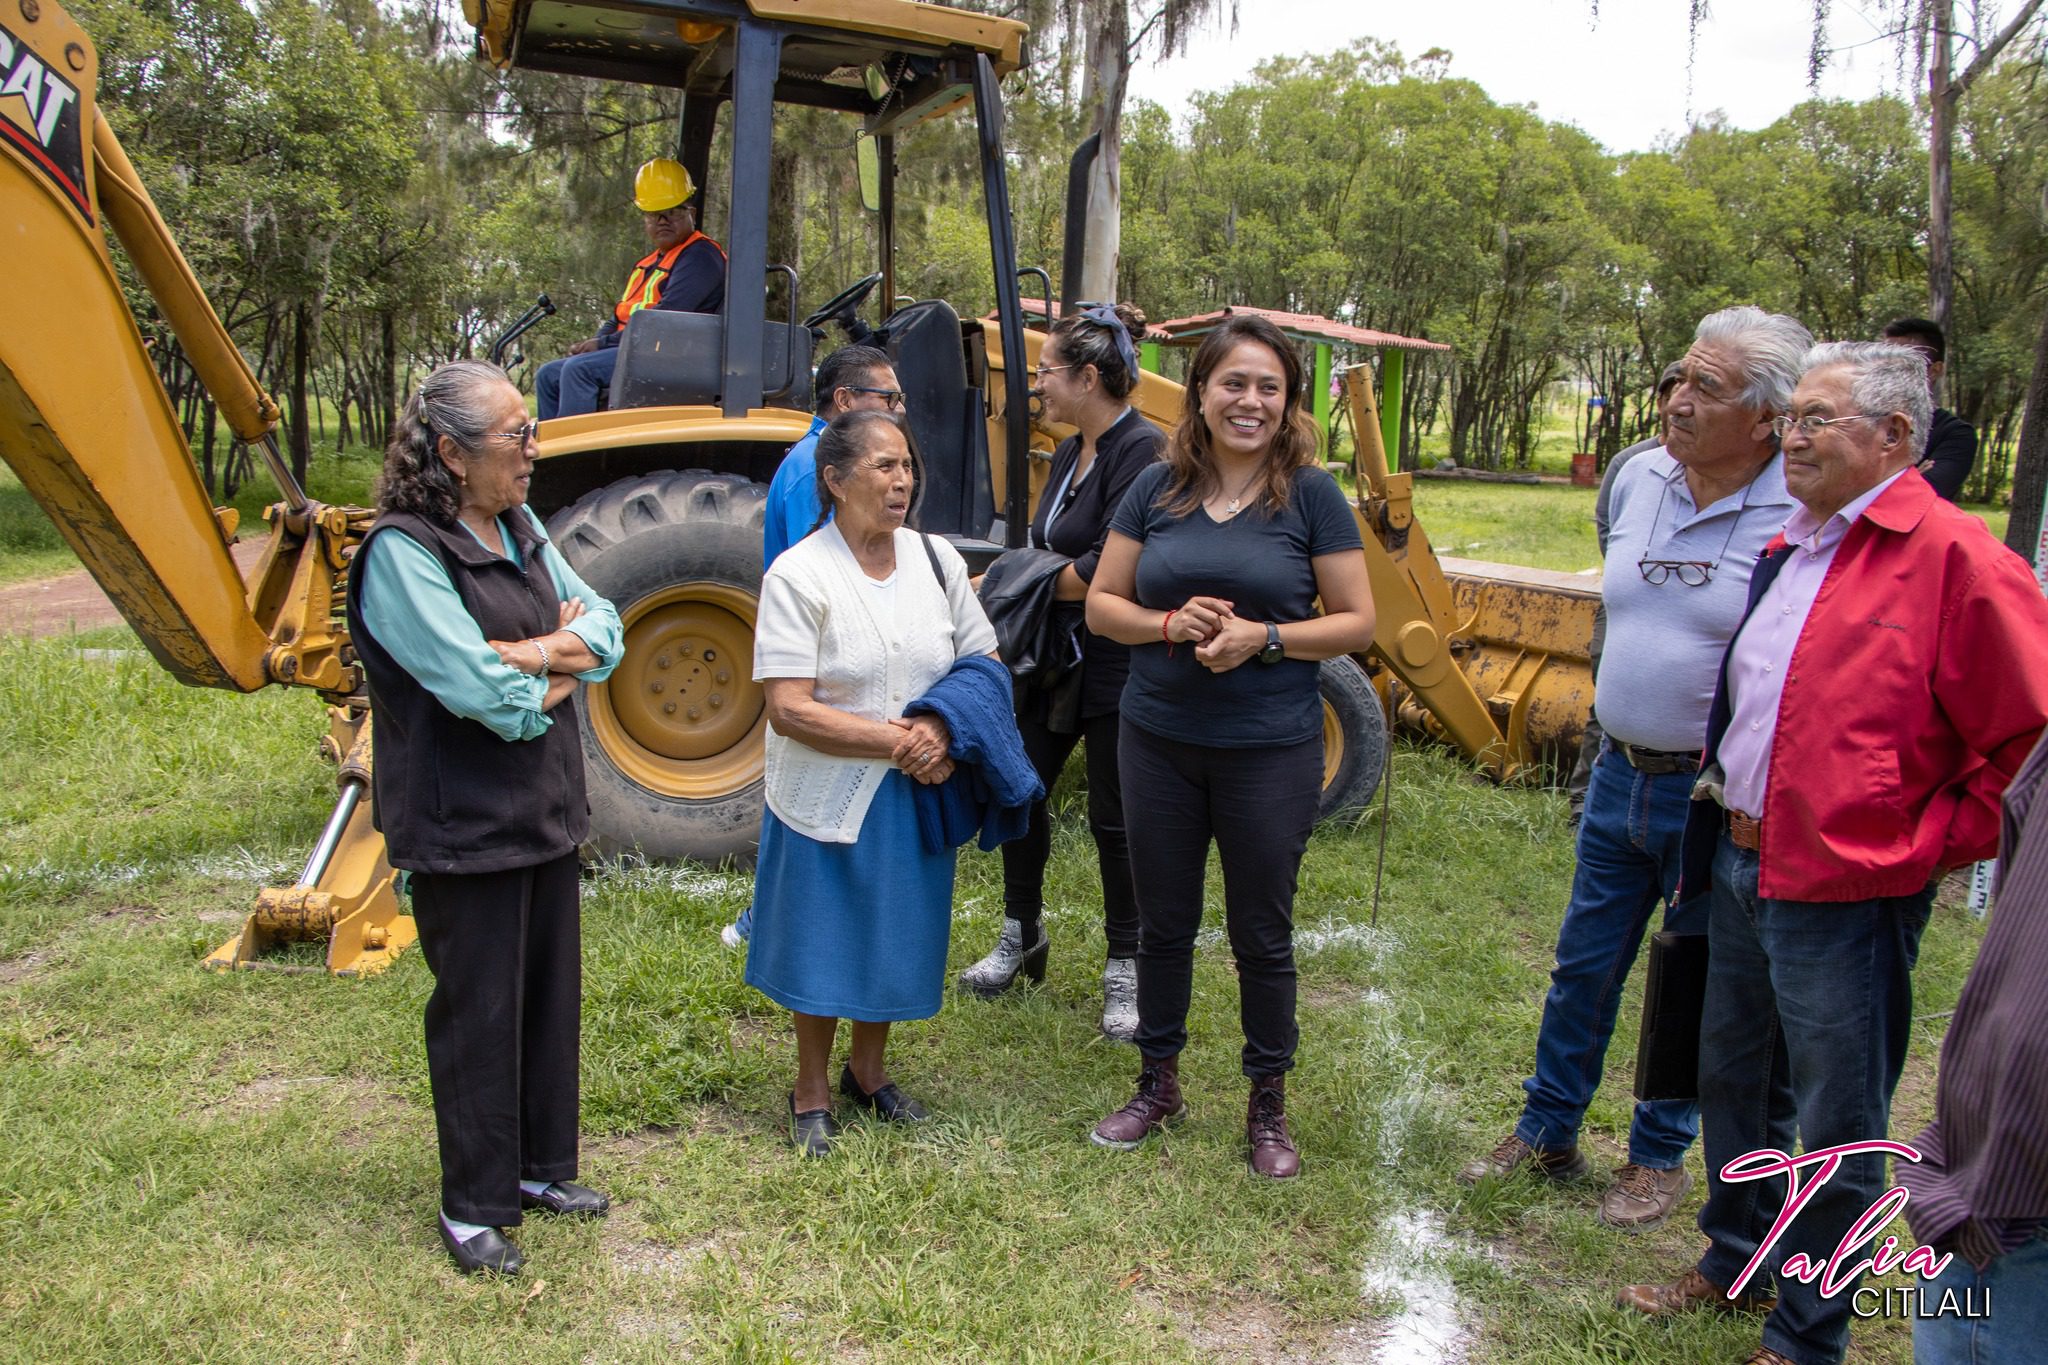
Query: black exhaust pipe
(1077, 222)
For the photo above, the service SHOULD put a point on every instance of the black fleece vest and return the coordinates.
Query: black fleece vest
(450, 795)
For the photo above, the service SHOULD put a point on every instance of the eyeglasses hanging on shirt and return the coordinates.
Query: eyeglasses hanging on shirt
(1693, 573)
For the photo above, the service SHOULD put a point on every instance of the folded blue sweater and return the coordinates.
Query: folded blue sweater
(993, 783)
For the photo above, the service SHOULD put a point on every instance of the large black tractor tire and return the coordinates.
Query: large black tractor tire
(1354, 740)
(672, 741)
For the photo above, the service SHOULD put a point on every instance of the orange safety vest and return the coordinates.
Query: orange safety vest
(643, 286)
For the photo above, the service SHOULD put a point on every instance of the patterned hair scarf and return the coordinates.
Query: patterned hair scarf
(1103, 315)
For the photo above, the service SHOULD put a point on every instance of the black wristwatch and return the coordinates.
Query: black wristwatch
(1274, 651)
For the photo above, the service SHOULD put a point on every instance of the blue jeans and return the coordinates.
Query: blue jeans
(571, 385)
(2014, 1296)
(1808, 1010)
(1628, 862)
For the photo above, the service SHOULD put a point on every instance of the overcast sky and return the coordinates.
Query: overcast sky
(1621, 77)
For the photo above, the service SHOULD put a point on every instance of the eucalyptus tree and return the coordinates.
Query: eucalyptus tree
(1109, 37)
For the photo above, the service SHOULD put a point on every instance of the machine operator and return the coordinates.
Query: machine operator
(685, 273)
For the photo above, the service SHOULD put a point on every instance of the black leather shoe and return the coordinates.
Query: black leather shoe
(487, 1253)
(567, 1201)
(889, 1102)
(811, 1132)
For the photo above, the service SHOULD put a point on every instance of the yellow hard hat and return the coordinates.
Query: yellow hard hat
(662, 184)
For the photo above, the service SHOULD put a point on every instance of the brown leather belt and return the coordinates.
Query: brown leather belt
(1744, 832)
(1655, 762)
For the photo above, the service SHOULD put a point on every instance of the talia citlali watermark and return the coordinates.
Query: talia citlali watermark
(1840, 1271)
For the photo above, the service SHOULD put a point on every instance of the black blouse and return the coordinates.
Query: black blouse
(1124, 452)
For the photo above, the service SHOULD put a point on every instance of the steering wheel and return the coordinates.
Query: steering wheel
(842, 305)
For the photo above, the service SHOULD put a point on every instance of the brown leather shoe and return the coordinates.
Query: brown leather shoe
(1689, 1293)
(1511, 1154)
(1642, 1198)
(1156, 1104)
(1265, 1126)
(1764, 1355)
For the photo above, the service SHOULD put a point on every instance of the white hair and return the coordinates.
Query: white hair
(1771, 346)
(1883, 379)
(455, 400)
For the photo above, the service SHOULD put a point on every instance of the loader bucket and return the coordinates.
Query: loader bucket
(1523, 641)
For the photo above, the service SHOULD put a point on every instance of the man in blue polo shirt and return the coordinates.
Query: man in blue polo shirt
(852, 379)
(1687, 523)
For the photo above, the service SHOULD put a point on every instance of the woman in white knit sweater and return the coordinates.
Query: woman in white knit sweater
(851, 913)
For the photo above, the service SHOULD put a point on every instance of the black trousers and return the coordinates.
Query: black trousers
(1024, 859)
(1258, 805)
(507, 956)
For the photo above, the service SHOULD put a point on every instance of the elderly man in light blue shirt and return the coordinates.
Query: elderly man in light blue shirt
(1688, 522)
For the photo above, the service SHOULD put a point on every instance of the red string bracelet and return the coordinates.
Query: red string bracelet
(1164, 625)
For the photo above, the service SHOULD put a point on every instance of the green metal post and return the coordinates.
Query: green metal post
(1391, 363)
(1322, 386)
(1148, 357)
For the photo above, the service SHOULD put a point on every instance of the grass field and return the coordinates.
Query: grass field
(242, 1168)
(197, 1167)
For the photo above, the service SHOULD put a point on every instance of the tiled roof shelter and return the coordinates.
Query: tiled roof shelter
(1034, 311)
(1324, 333)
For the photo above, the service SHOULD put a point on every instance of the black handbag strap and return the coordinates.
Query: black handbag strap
(938, 569)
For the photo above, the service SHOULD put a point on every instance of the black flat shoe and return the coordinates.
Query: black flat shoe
(889, 1102)
(567, 1201)
(487, 1253)
(811, 1132)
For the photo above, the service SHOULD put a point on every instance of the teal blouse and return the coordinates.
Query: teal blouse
(413, 609)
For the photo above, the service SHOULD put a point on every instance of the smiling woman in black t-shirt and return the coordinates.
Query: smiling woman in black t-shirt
(1211, 572)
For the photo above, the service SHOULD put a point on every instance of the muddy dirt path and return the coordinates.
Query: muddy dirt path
(72, 601)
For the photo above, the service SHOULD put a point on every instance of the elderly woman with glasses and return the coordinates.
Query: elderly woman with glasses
(1086, 374)
(474, 633)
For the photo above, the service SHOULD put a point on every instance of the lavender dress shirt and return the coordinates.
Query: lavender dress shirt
(1764, 645)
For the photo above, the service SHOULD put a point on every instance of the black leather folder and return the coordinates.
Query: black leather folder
(1668, 1052)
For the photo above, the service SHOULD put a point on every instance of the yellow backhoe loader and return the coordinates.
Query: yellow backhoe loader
(657, 500)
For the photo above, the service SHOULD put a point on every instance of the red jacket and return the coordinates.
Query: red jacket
(1917, 688)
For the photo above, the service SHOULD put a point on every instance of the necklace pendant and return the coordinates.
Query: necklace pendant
(1231, 507)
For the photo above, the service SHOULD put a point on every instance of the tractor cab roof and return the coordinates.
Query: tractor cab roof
(894, 62)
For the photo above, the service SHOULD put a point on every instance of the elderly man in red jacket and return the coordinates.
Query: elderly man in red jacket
(1890, 677)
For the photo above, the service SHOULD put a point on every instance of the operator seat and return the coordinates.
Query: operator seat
(679, 358)
(925, 345)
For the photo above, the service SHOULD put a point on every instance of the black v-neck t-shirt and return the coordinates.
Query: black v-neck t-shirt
(1260, 562)
(1125, 451)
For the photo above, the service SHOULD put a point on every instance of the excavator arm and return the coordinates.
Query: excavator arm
(89, 430)
(84, 422)
(1492, 658)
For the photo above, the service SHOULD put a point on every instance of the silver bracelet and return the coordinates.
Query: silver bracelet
(543, 657)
